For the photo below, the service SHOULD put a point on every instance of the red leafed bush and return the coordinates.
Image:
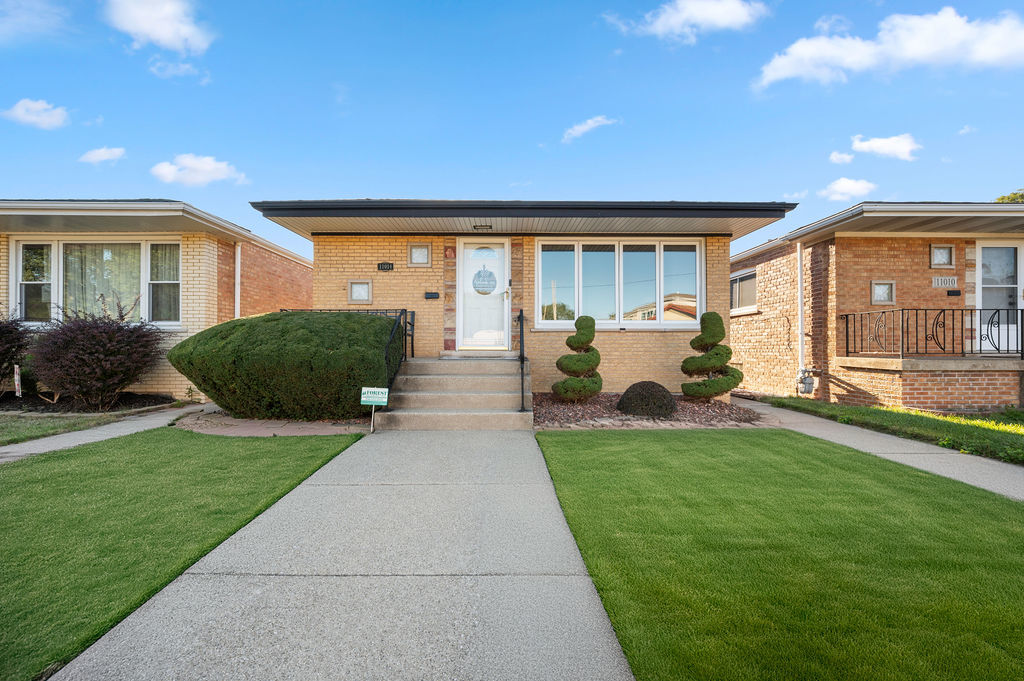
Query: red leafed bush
(91, 359)
(13, 341)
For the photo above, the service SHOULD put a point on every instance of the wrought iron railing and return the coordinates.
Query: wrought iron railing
(405, 320)
(521, 320)
(933, 331)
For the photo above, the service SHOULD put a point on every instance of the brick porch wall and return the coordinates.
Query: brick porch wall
(270, 282)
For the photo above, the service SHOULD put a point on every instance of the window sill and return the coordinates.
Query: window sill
(618, 329)
(743, 311)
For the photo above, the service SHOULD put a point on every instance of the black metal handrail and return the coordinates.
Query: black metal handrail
(521, 319)
(934, 331)
(404, 319)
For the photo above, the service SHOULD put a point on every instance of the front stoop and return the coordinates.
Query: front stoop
(458, 394)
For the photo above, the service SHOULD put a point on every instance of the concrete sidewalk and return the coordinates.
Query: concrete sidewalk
(412, 555)
(126, 426)
(996, 476)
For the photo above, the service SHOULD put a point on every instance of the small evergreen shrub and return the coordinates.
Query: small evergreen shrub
(583, 381)
(14, 339)
(714, 363)
(647, 398)
(92, 358)
(292, 365)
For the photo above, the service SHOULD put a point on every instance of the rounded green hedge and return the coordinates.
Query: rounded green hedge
(647, 398)
(293, 365)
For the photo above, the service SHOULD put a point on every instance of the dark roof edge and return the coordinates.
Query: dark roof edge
(444, 208)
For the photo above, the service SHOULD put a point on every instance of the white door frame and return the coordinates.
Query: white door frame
(1013, 343)
(460, 273)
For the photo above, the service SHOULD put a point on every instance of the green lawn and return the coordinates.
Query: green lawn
(20, 428)
(766, 554)
(997, 436)
(88, 534)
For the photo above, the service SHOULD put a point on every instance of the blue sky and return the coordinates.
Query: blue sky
(219, 104)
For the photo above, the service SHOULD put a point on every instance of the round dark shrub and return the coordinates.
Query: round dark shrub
(13, 342)
(292, 365)
(91, 358)
(647, 398)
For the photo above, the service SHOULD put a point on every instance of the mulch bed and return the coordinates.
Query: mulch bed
(600, 412)
(125, 401)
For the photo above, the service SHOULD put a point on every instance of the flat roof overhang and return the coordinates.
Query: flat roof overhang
(156, 216)
(555, 218)
(938, 218)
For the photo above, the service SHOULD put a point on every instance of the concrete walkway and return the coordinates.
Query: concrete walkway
(996, 476)
(412, 555)
(126, 426)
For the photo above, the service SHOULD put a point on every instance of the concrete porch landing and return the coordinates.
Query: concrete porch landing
(412, 555)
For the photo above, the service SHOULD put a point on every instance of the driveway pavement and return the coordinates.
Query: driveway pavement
(412, 555)
(996, 476)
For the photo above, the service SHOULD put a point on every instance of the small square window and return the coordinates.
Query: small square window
(360, 292)
(419, 255)
(942, 256)
(883, 292)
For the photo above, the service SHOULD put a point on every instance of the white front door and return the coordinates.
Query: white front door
(1001, 288)
(482, 305)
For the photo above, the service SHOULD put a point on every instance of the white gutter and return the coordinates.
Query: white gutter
(238, 279)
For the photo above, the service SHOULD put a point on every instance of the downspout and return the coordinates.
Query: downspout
(804, 379)
(238, 279)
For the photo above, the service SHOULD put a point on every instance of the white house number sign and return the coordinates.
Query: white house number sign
(943, 282)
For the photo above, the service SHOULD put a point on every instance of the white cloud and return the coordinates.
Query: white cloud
(163, 69)
(835, 23)
(96, 121)
(170, 24)
(795, 195)
(38, 113)
(966, 130)
(196, 171)
(903, 41)
(839, 157)
(899, 146)
(845, 189)
(21, 19)
(586, 126)
(684, 19)
(102, 154)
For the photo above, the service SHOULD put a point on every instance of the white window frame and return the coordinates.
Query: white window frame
(57, 243)
(744, 309)
(619, 323)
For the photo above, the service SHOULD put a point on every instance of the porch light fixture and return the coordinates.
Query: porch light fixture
(481, 228)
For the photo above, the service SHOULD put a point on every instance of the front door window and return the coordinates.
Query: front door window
(1001, 289)
(483, 296)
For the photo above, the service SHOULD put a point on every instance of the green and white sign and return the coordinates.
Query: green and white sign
(377, 397)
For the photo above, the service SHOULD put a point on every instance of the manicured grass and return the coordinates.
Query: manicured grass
(998, 436)
(766, 554)
(88, 534)
(20, 428)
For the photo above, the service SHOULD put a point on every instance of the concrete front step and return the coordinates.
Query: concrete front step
(455, 419)
(458, 383)
(458, 400)
(421, 367)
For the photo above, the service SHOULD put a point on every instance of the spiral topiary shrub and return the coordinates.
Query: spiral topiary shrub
(292, 365)
(583, 381)
(714, 363)
(647, 398)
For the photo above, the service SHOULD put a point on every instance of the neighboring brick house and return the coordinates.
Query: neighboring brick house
(466, 268)
(910, 304)
(176, 266)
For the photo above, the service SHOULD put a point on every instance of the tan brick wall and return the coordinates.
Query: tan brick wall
(342, 258)
(627, 356)
(961, 391)
(270, 282)
(225, 281)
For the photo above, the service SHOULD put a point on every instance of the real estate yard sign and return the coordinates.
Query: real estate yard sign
(375, 397)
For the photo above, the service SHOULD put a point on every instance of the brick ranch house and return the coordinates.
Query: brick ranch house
(178, 267)
(644, 270)
(910, 304)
